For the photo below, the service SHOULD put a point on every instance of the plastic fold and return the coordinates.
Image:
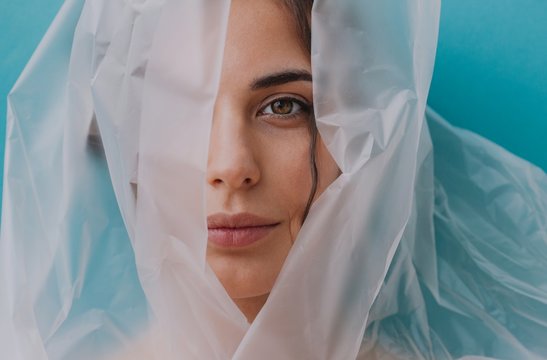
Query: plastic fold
(431, 244)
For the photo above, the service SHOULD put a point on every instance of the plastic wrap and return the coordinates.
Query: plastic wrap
(103, 254)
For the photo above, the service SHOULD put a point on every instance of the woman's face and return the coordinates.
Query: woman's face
(259, 171)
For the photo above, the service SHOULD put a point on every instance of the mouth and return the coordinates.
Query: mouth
(239, 230)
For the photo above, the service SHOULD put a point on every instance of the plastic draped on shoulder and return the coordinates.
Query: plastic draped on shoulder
(106, 259)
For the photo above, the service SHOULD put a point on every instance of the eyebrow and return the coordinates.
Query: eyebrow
(280, 78)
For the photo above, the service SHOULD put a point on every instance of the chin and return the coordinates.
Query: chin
(241, 276)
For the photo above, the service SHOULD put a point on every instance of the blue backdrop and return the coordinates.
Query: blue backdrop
(490, 74)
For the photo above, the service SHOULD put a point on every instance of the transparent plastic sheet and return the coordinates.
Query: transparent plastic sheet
(491, 235)
(468, 279)
(194, 314)
(145, 74)
(68, 279)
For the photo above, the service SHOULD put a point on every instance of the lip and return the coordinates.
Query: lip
(238, 230)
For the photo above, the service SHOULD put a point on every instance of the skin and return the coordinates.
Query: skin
(259, 155)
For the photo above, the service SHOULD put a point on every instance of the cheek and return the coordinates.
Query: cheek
(287, 170)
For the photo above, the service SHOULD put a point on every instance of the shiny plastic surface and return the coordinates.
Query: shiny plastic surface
(388, 250)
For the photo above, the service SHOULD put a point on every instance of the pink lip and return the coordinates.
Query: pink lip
(238, 230)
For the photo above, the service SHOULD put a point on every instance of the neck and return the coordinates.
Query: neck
(250, 306)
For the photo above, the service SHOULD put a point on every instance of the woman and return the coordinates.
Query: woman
(206, 113)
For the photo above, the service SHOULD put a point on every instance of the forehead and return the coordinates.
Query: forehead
(262, 38)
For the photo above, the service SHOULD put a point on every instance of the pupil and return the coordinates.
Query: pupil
(282, 107)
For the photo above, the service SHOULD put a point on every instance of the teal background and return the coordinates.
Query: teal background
(490, 74)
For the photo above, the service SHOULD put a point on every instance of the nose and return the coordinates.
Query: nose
(232, 161)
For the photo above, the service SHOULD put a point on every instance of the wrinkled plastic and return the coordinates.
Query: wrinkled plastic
(103, 254)
(478, 290)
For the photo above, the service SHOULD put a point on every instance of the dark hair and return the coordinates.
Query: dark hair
(301, 12)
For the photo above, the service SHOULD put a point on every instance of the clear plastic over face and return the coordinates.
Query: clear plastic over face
(205, 114)
(223, 195)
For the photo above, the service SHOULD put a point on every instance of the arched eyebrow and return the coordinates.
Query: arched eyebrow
(280, 78)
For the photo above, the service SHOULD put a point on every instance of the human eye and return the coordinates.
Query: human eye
(285, 107)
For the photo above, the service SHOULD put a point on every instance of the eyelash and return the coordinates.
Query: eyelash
(304, 107)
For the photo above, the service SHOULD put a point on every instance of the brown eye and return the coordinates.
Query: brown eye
(282, 107)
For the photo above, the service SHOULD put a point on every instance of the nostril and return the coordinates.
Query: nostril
(236, 176)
